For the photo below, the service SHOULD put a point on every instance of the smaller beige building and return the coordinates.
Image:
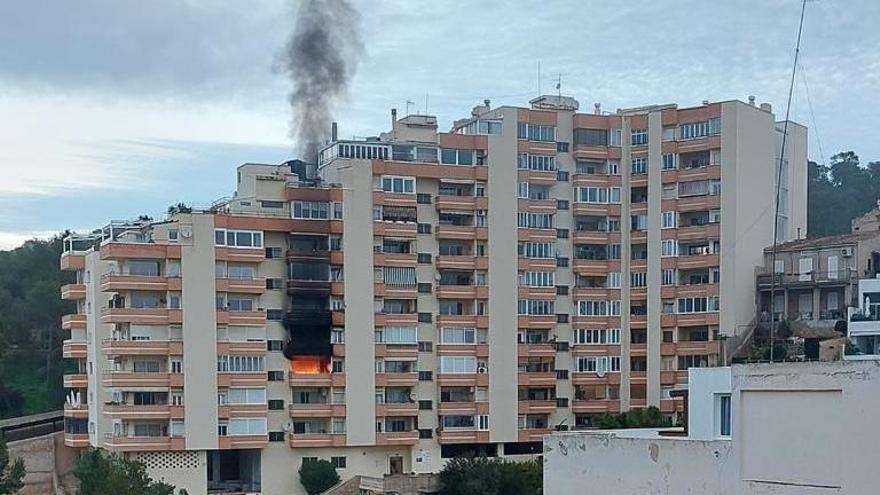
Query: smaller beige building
(869, 222)
(782, 428)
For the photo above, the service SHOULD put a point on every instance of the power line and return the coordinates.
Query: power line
(812, 114)
(797, 50)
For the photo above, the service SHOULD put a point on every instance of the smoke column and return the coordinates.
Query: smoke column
(320, 58)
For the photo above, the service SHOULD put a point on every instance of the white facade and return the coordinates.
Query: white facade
(797, 428)
(863, 328)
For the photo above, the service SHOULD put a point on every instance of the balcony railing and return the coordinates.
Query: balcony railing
(785, 279)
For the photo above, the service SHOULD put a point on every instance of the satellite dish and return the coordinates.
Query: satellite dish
(286, 427)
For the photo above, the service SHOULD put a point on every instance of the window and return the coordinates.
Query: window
(424, 228)
(458, 364)
(667, 220)
(535, 307)
(597, 336)
(638, 279)
(542, 163)
(695, 130)
(426, 376)
(639, 166)
(244, 396)
(714, 216)
(274, 314)
(274, 345)
(537, 279)
(697, 304)
(668, 276)
(561, 204)
(668, 161)
(535, 220)
(534, 132)
(238, 238)
(668, 248)
(599, 195)
(275, 376)
(276, 436)
(458, 335)
(561, 290)
(396, 184)
(310, 210)
(639, 136)
(598, 308)
(591, 137)
(338, 462)
(274, 283)
(423, 198)
(597, 364)
(561, 147)
(536, 249)
(246, 426)
(450, 156)
(612, 280)
(396, 335)
(240, 364)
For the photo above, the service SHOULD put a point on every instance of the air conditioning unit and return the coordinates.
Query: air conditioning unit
(482, 369)
(847, 251)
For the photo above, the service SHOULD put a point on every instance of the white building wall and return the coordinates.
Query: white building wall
(704, 387)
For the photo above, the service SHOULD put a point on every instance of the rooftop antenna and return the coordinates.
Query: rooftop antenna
(797, 49)
(426, 103)
(408, 103)
(559, 85)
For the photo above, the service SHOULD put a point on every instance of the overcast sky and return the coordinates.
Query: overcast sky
(115, 108)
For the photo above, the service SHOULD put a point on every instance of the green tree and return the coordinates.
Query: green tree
(101, 474)
(179, 208)
(317, 476)
(840, 192)
(11, 475)
(481, 475)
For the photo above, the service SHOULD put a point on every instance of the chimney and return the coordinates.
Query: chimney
(486, 103)
(767, 107)
(393, 123)
(333, 132)
(598, 108)
(752, 100)
(705, 102)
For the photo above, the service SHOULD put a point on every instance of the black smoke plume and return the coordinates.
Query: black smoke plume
(320, 58)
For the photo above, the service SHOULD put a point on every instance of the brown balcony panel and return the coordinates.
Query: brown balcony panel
(398, 351)
(595, 379)
(536, 406)
(130, 411)
(596, 406)
(245, 286)
(316, 410)
(76, 320)
(463, 436)
(73, 292)
(397, 379)
(245, 255)
(130, 379)
(116, 283)
(242, 442)
(393, 409)
(257, 318)
(537, 350)
(533, 435)
(250, 348)
(74, 349)
(122, 251)
(142, 316)
(76, 440)
(142, 444)
(73, 261)
(241, 410)
(76, 380)
(142, 347)
(545, 378)
(462, 379)
(76, 412)
(398, 438)
(255, 379)
(317, 440)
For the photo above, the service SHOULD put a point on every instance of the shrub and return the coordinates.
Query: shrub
(317, 476)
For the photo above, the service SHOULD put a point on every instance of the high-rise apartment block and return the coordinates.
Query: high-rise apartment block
(430, 293)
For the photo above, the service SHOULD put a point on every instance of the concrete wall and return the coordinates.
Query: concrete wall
(48, 464)
(615, 463)
(503, 282)
(704, 386)
(96, 361)
(200, 330)
(187, 470)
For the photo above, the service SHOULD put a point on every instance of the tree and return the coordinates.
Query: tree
(317, 476)
(11, 475)
(101, 474)
(840, 192)
(179, 208)
(482, 475)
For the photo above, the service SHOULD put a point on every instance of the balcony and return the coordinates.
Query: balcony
(316, 410)
(76, 440)
(397, 379)
(256, 285)
(116, 347)
(537, 350)
(145, 412)
(536, 378)
(536, 406)
(112, 282)
(242, 379)
(316, 439)
(125, 379)
(533, 434)
(698, 232)
(76, 412)
(595, 406)
(73, 292)
(453, 436)
(463, 379)
(76, 380)
(398, 438)
(461, 232)
(142, 316)
(119, 443)
(74, 349)
(397, 409)
(840, 277)
(257, 318)
(72, 261)
(316, 379)
(242, 442)
(139, 250)
(76, 320)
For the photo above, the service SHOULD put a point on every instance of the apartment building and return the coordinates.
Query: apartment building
(429, 294)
